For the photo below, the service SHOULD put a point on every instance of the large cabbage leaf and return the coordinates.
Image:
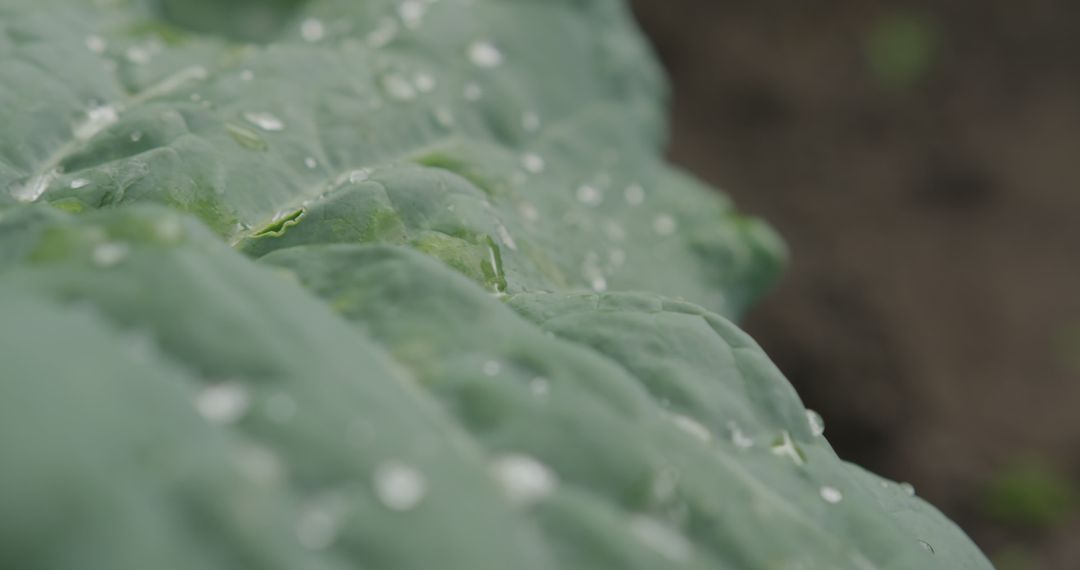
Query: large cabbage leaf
(362, 284)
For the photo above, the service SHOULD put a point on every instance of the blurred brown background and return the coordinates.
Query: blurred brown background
(922, 161)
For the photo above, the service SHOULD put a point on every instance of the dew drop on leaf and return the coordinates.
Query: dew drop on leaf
(831, 495)
(359, 175)
(444, 116)
(664, 540)
(524, 480)
(485, 54)
(138, 55)
(398, 88)
(817, 425)
(265, 121)
(382, 35)
(692, 427)
(589, 195)
(424, 82)
(738, 438)
(412, 13)
(97, 119)
(664, 225)
(35, 187)
(312, 30)
(399, 487)
(96, 44)
(223, 403)
(110, 254)
(533, 163)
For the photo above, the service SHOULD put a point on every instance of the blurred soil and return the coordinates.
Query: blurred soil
(922, 160)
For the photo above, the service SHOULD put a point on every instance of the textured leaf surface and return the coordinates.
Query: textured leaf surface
(342, 284)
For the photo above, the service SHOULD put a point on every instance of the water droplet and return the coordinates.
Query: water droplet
(265, 121)
(664, 225)
(492, 368)
(817, 425)
(534, 163)
(539, 386)
(96, 44)
(79, 183)
(785, 447)
(424, 82)
(444, 117)
(634, 195)
(908, 488)
(223, 403)
(35, 187)
(312, 30)
(692, 427)
(110, 254)
(317, 528)
(589, 195)
(138, 55)
(530, 121)
(529, 212)
(524, 479)
(831, 495)
(280, 407)
(169, 230)
(383, 34)
(473, 92)
(661, 538)
(399, 487)
(927, 547)
(592, 272)
(738, 438)
(247, 75)
(311, 163)
(397, 87)
(97, 119)
(359, 175)
(136, 136)
(412, 13)
(485, 54)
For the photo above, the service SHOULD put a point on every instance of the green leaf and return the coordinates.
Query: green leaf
(372, 284)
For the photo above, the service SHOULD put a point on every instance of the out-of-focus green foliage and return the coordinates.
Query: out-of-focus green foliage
(1030, 493)
(901, 47)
